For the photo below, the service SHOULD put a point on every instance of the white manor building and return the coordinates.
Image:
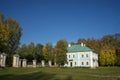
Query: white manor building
(81, 56)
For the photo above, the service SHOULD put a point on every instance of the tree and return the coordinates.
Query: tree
(72, 43)
(118, 56)
(44, 53)
(38, 51)
(48, 52)
(109, 40)
(15, 34)
(108, 57)
(107, 47)
(31, 51)
(92, 43)
(4, 34)
(1, 18)
(10, 33)
(60, 51)
(113, 42)
(4, 37)
(23, 51)
(14, 38)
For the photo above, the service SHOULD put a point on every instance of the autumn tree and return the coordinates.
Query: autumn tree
(107, 57)
(4, 37)
(10, 33)
(81, 40)
(1, 18)
(4, 34)
(60, 51)
(14, 38)
(44, 53)
(92, 43)
(47, 52)
(109, 40)
(118, 56)
(107, 47)
(31, 51)
(117, 37)
(15, 34)
(38, 51)
(23, 51)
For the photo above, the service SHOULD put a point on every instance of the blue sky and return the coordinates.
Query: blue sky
(46, 21)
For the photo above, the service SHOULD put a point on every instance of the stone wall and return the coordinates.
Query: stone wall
(17, 62)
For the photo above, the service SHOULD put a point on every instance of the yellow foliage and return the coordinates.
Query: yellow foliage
(108, 57)
(4, 34)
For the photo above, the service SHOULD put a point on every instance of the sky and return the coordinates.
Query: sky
(46, 21)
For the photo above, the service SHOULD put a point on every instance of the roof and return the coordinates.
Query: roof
(78, 48)
(3, 54)
(17, 55)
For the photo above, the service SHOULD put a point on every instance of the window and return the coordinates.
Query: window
(75, 63)
(86, 55)
(66, 62)
(69, 56)
(73, 56)
(82, 63)
(82, 55)
(86, 63)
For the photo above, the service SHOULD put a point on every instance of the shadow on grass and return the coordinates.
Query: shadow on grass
(69, 78)
(30, 76)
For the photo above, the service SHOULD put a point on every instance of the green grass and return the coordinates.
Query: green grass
(105, 73)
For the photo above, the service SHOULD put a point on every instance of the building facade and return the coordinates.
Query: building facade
(81, 56)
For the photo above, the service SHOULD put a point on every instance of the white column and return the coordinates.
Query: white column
(49, 63)
(1, 59)
(24, 63)
(43, 63)
(4, 60)
(34, 63)
(91, 59)
(20, 62)
(16, 60)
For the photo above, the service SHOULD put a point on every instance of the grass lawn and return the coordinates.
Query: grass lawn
(106, 73)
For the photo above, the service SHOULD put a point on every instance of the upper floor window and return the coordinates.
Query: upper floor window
(82, 63)
(82, 55)
(69, 56)
(86, 55)
(75, 63)
(86, 63)
(73, 56)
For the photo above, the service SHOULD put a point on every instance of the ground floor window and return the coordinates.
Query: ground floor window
(82, 63)
(75, 63)
(73, 56)
(69, 56)
(87, 63)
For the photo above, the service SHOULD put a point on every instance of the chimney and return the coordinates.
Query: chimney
(69, 45)
(82, 44)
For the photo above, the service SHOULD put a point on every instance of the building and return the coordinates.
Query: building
(81, 56)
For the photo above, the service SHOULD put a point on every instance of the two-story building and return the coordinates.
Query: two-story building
(81, 56)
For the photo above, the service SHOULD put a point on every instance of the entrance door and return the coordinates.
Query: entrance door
(70, 64)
